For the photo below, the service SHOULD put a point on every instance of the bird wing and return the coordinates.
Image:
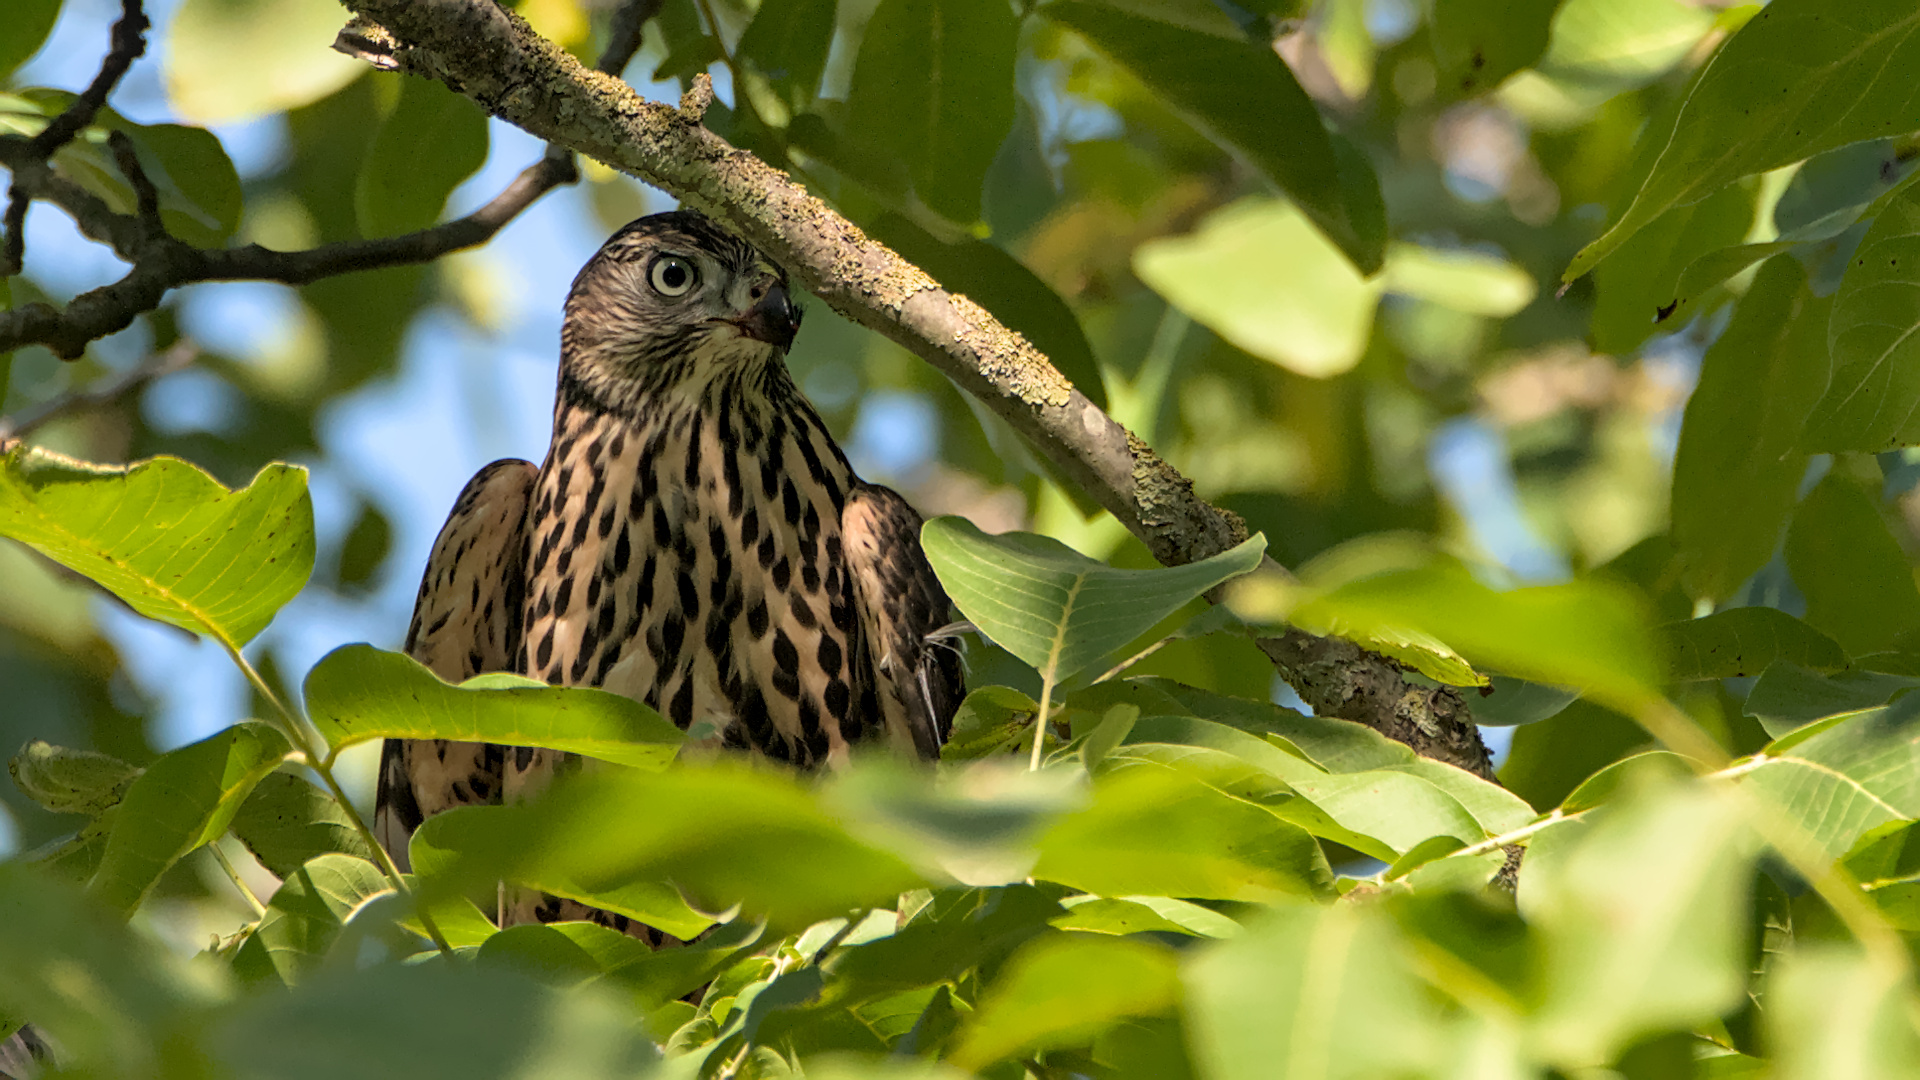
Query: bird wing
(466, 621)
(903, 610)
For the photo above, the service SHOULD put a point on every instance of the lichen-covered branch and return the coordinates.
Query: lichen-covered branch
(492, 56)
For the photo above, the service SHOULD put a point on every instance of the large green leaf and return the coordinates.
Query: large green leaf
(231, 60)
(1053, 607)
(1743, 641)
(68, 781)
(933, 86)
(1157, 831)
(1060, 989)
(184, 800)
(305, 917)
(431, 1020)
(1858, 584)
(287, 821)
(1874, 392)
(1309, 993)
(787, 42)
(1738, 467)
(431, 141)
(1801, 77)
(1840, 779)
(722, 834)
(1638, 288)
(1788, 695)
(24, 26)
(166, 537)
(1835, 1014)
(1243, 96)
(1478, 43)
(357, 692)
(1641, 921)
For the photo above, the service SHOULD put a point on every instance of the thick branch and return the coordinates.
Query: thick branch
(492, 56)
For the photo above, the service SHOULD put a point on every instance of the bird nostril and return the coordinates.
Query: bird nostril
(758, 291)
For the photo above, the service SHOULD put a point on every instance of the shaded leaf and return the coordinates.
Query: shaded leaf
(357, 692)
(1513, 702)
(431, 141)
(305, 917)
(1059, 990)
(185, 799)
(68, 781)
(287, 821)
(1788, 696)
(1834, 1014)
(1636, 289)
(1800, 77)
(787, 42)
(166, 537)
(1737, 469)
(1143, 914)
(1874, 390)
(1054, 608)
(24, 26)
(1478, 43)
(1857, 582)
(1243, 96)
(991, 720)
(1744, 641)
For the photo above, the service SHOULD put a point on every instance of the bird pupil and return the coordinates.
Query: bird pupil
(674, 275)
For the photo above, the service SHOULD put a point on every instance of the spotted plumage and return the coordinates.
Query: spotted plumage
(695, 539)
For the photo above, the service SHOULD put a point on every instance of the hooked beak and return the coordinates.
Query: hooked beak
(773, 319)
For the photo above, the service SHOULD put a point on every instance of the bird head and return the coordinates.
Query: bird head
(673, 297)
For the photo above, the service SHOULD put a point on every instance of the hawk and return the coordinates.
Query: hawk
(695, 540)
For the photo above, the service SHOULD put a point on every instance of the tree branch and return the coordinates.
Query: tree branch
(179, 355)
(493, 57)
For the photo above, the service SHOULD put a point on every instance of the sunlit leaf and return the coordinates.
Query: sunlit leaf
(1141, 914)
(1242, 95)
(1744, 641)
(933, 85)
(1054, 608)
(991, 720)
(1834, 1014)
(357, 692)
(305, 916)
(1062, 988)
(1312, 993)
(185, 799)
(287, 821)
(431, 141)
(226, 61)
(166, 537)
(69, 781)
(1799, 78)
(1875, 389)
(1464, 280)
(1478, 43)
(1837, 781)
(1858, 584)
(1641, 920)
(1738, 469)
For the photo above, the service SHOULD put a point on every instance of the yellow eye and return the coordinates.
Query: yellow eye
(672, 275)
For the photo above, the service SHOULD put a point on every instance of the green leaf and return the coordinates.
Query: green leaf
(1309, 993)
(722, 834)
(1628, 774)
(1834, 1014)
(1061, 989)
(787, 42)
(185, 799)
(1602, 47)
(1744, 641)
(1788, 696)
(1156, 831)
(24, 26)
(933, 85)
(431, 141)
(1839, 780)
(68, 781)
(1003, 285)
(1641, 919)
(1478, 43)
(226, 61)
(1886, 854)
(1143, 914)
(357, 692)
(116, 1002)
(1874, 391)
(1738, 467)
(1639, 287)
(166, 537)
(1858, 584)
(1799, 78)
(990, 721)
(305, 917)
(974, 825)
(287, 822)
(1243, 96)
(431, 1020)
(1056, 609)
(1509, 702)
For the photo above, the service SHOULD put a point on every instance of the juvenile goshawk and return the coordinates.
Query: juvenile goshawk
(695, 540)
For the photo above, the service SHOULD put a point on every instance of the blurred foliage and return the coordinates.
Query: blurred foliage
(1564, 348)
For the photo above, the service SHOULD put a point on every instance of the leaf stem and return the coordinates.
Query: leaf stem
(233, 875)
(1040, 721)
(297, 734)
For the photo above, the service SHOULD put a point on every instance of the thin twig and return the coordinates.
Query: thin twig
(623, 34)
(179, 355)
(146, 197)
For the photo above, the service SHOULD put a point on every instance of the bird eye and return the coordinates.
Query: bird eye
(672, 275)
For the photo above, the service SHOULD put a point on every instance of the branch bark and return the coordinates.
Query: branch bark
(493, 57)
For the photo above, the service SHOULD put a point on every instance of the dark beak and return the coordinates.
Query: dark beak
(773, 319)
